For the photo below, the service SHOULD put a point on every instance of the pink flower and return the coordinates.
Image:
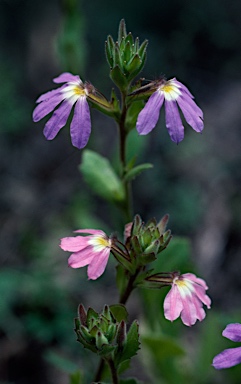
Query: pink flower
(173, 94)
(186, 299)
(231, 356)
(61, 100)
(93, 250)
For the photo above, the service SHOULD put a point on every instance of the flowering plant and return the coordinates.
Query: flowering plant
(105, 333)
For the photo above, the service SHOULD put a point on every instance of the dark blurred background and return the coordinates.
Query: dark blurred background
(43, 196)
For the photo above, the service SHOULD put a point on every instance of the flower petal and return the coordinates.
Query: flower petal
(201, 295)
(228, 358)
(173, 121)
(82, 258)
(74, 244)
(80, 127)
(48, 95)
(149, 115)
(46, 107)
(195, 279)
(233, 332)
(58, 120)
(189, 110)
(199, 286)
(189, 314)
(98, 264)
(193, 105)
(98, 232)
(173, 304)
(182, 87)
(67, 77)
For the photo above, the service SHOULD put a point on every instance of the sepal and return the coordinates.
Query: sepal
(122, 31)
(118, 77)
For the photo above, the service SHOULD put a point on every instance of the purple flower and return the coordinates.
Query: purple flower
(93, 250)
(186, 299)
(232, 356)
(175, 95)
(72, 93)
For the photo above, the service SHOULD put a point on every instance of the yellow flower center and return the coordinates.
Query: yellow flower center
(170, 90)
(79, 91)
(180, 283)
(184, 286)
(167, 88)
(99, 243)
(102, 241)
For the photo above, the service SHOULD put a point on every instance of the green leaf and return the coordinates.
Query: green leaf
(101, 177)
(122, 30)
(130, 175)
(118, 77)
(129, 38)
(132, 344)
(134, 64)
(127, 53)
(142, 50)
(91, 313)
(136, 45)
(117, 57)
(123, 366)
(109, 47)
(119, 312)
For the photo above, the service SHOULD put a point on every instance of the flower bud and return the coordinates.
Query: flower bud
(147, 240)
(126, 57)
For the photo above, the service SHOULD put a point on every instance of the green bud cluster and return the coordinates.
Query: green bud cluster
(147, 240)
(106, 334)
(126, 57)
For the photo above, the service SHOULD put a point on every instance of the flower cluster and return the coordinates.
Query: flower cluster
(187, 294)
(74, 93)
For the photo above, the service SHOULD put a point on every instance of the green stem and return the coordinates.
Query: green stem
(130, 287)
(127, 208)
(113, 371)
(123, 136)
